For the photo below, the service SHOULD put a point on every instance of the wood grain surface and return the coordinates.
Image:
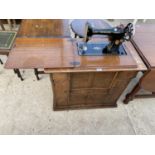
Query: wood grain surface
(40, 53)
(148, 81)
(44, 28)
(89, 89)
(144, 40)
(60, 53)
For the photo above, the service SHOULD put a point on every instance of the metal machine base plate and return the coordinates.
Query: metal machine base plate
(96, 49)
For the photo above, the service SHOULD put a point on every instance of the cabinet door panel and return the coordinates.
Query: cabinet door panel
(77, 99)
(81, 80)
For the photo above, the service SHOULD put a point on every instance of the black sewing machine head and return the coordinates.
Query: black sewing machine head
(116, 35)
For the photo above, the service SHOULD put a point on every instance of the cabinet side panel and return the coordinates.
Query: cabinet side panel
(61, 84)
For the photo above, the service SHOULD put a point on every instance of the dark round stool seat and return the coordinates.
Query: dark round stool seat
(78, 25)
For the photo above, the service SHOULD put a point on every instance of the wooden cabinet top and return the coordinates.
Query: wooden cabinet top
(44, 28)
(60, 54)
(144, 41)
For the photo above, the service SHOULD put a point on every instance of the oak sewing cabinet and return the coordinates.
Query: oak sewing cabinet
(77, 81)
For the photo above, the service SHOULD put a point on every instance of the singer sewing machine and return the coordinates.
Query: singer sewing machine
(116, 36)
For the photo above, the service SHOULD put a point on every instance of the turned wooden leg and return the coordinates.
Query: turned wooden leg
(1, 61)
(17, 71)
(36, 73)
(9, 23)
(132, 94)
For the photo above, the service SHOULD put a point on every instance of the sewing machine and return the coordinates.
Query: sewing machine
(116, 36)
